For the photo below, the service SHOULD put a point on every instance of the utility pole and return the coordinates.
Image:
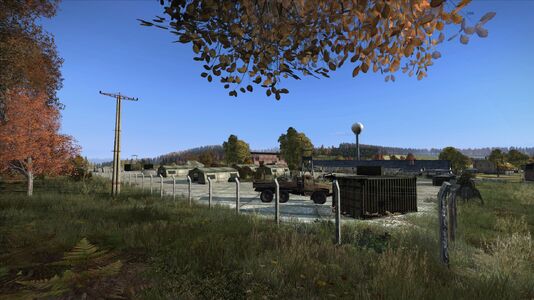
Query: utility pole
(116, 176)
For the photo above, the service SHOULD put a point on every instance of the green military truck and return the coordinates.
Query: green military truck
(304, 185)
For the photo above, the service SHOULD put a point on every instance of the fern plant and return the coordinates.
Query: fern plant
(87, 264)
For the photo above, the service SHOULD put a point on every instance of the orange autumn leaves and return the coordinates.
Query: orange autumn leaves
(32, 131)
(249, 43)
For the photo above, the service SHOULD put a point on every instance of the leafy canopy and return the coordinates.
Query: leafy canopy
(293, 146)
(517, 158)
(30, 142)
(236, 151)
(498, 157)
(260, 42)
(28, 56)
(458, 160)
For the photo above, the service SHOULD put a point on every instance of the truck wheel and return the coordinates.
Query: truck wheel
(284, 196)
(318, 197)
(266, 196)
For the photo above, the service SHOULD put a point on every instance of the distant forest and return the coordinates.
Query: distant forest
(348, 150)
(214, 154)
(208, 155)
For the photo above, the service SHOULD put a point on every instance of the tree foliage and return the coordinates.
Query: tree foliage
(260, 42)
(498, 157)
(80, 168)
(207, 158)
(459, 161)
(28, 56)
(517, 158)
(294, 145)
(236, 151)
(30, 142)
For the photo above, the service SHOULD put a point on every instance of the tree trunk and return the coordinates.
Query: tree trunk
(30, 184)
(30, 178)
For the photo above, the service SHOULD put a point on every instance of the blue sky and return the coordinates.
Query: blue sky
(475, 96)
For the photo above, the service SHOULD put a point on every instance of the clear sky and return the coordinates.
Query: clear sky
(476, 95)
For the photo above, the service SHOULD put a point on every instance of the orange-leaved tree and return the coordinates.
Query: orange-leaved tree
(262, 42)
(30, 142)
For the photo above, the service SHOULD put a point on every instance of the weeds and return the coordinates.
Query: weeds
(171, 250)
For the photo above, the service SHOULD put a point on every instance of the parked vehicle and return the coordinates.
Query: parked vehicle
(304, 185)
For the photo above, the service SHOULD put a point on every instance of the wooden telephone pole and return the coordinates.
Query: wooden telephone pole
(116, 176)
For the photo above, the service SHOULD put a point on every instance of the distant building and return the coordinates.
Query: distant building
(178, 171)
(267, 158)
(269, 172)
(485, 166)
(246, 171)
(222, 174)
(529, 172)
(388, 166)
(194, 164)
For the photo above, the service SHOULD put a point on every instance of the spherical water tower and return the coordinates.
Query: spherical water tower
(357, 129)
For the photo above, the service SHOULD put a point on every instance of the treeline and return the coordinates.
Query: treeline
(348, 150)
(208, 155)
(484, 152)
(215, 154)
(503, 160)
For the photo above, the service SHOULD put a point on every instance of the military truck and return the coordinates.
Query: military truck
(304, 185)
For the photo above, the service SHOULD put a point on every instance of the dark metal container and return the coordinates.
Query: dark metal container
(367, 196)
(369, 170)
(438, 180)
(529, 172)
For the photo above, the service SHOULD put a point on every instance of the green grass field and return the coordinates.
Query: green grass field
(142, 247)
(517, 177)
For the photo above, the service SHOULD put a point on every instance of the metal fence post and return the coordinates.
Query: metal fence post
(443, 234)
(209, 192)
(452, 215)
(337, 201)
(189, 189)
(160, 186)
(173, 187)
(151, 181)
(277, 203)
(237, 194)
(142, 182)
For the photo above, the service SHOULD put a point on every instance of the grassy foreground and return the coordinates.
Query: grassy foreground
(139, 246)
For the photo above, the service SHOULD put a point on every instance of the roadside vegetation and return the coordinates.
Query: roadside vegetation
(63, 242)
